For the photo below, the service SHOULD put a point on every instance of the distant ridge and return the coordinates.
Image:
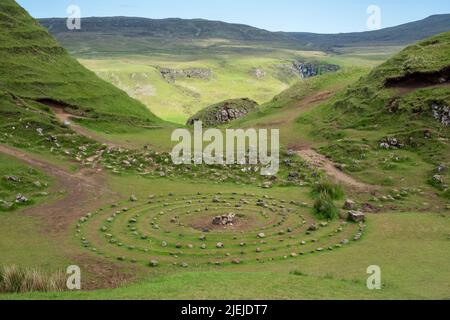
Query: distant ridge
(400, 35)
(170, 30)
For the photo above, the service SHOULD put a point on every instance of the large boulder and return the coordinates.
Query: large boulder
(356, 216)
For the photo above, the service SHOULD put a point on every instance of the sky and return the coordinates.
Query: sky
(321, 16)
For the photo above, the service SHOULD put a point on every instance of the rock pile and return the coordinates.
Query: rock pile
(391, 143)
(441, 113)
(224, 220)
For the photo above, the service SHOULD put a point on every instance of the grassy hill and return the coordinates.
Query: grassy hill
(34, 67)
(131, 52)
(391, 128)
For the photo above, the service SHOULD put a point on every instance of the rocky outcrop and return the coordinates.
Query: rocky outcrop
(224, 220)
(441, 113)
(224, 112)
(306, 70)
(171, 75)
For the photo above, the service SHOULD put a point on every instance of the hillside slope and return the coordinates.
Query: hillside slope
(393, 126)
(34, 67)
(142, 35)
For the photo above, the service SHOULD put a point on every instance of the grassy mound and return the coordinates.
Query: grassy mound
(224, 112)
(33, 66)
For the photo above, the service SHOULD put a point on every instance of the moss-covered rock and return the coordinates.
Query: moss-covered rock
(224, 112)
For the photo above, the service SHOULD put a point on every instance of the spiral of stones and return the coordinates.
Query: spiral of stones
(178, 230)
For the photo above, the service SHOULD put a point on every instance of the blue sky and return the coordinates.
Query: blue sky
(324, 16)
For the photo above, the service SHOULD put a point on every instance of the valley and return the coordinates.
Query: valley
(87, 178)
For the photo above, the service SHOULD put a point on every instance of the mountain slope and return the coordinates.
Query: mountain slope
(33, 66)
(142, 34)
(399, 35)
(393, 126)
(172, 28)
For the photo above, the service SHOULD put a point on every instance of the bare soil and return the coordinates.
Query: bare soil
(321, 162)
(81, 191)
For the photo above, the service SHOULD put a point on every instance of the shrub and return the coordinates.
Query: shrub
(325, 208)
(20, 280)
(335, 192)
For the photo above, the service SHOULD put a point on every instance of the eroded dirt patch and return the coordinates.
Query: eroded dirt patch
(321, 162)
(59, 109)
(83, 190)
(417, 80)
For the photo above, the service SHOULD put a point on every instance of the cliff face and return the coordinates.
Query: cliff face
(224, 112)
(306, 70)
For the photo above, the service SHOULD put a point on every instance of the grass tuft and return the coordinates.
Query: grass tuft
(334, 191)
(325, 208)
(14, 279)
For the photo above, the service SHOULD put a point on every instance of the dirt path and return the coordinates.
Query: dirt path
(67, 119)
(82, 192)
(319, 161)
(304, 148)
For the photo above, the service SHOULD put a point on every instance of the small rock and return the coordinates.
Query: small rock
(261, 235)
(349, 205)
(21, 199)
(154, 263)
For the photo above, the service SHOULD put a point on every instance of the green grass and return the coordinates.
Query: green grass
(408, 247)
(407, 239)
(17, 178)
(24, 242)
(139, 76)
(383, 113)
(34, 66)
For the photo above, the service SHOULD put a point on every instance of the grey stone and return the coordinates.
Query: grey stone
(356, 216)
(261, 235)
(154, 263)
(349, 205)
